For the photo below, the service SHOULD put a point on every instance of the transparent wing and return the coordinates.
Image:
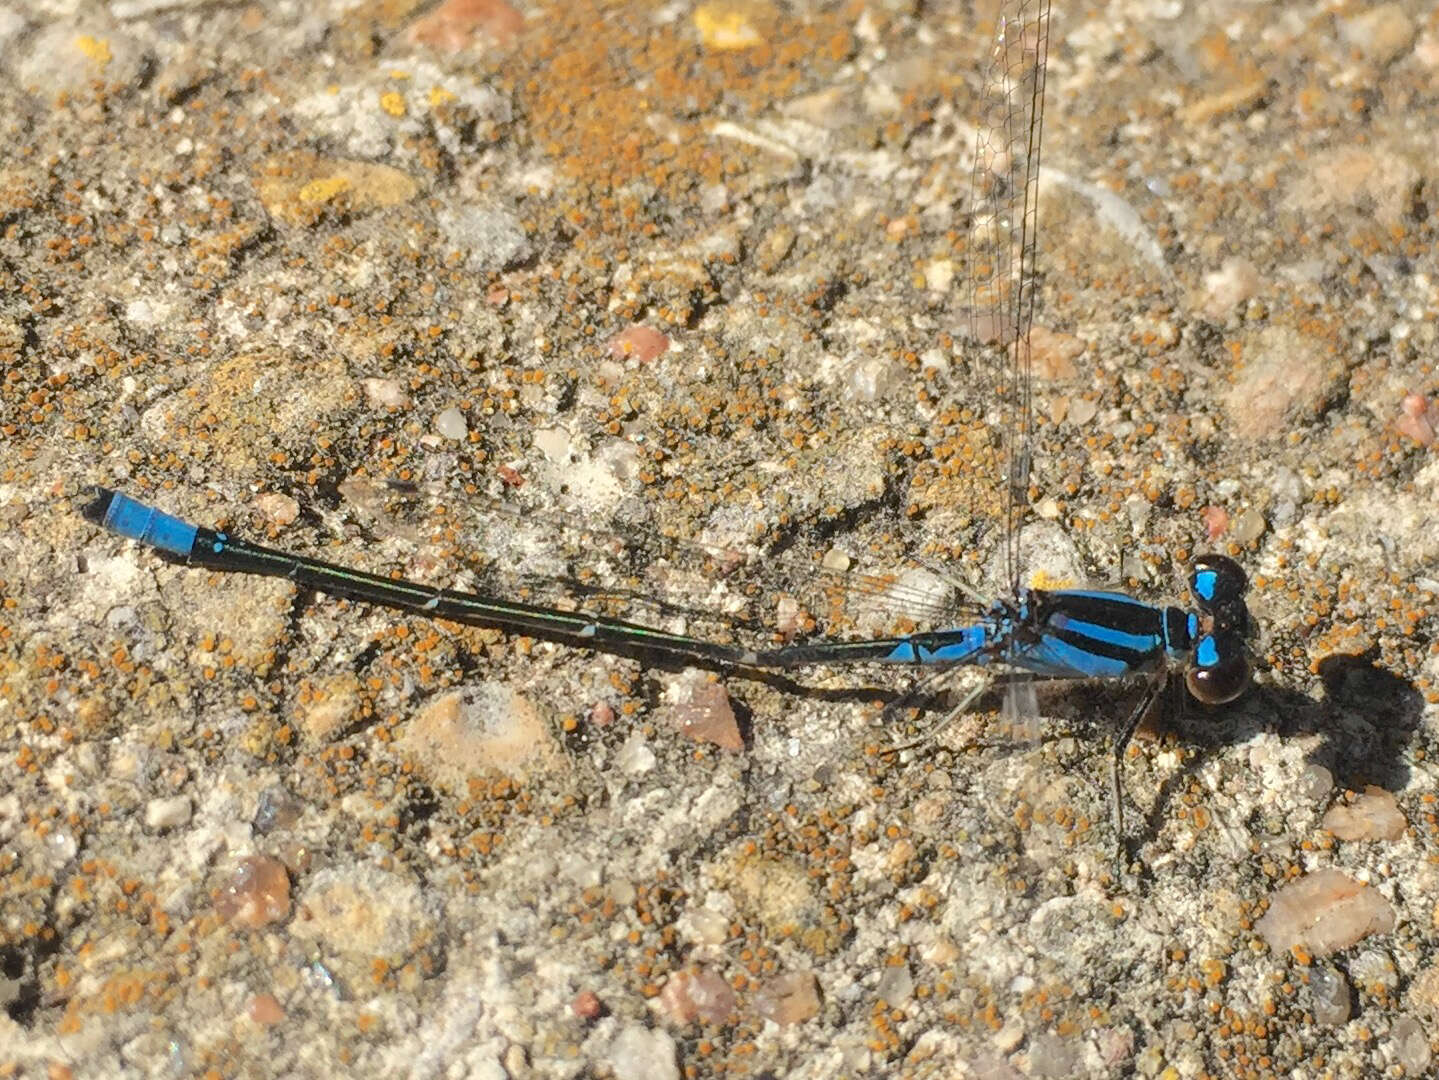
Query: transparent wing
(1003, 239)
(721, 585)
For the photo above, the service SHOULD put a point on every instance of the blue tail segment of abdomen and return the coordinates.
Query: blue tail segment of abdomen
(136, 521)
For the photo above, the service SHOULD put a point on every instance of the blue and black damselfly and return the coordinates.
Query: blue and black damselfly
(1062, 634)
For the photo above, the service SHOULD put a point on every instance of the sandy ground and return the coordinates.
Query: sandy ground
(343, 278)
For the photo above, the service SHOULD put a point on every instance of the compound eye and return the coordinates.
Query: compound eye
(1220, 670)
(1216, 580)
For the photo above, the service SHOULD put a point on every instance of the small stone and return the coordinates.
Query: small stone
(1286, 373)
(701, 995)
(167, 813)
(1423, 994)
(266, 1010)
(1053, 1055)
(1009, 1038)
(789, 999)
(640, 1053)
(774, 248)
(1418, 419)
(1373, 972)
(451, 425)
(896, 986)
(587, 1005)
(700, 708)
(483, 728)
(1315, 782)
(1374, 815)
(642, 343)
(1053, 354)
(728, 26)
(461, 24)
(1232, 285)
(1324, 912)
(1248, 526)
(298, 187)
(327, 708)
(490, 237)
(1216, 522)
(1373, 179)
(354, 915)
(704, 926)
(939, 275)
(635, 757)
(1380, 34)
(384, 393)
(1330, 995)
(256, 893)
(1410, 1046)
(554, 443)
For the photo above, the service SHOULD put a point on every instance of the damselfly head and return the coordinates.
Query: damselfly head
(1219, 664)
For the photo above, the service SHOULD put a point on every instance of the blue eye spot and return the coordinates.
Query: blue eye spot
(1204, 584)
(1206, 653)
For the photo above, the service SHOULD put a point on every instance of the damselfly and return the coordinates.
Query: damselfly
(1065, 634)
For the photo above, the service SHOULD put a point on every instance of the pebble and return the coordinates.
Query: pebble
(167, 813)
(491, 238)
(1409, 1044)
(1373, 815)
(1053, 353)
(1247, 527)
(484, 727)
(788, 999)
(255, 893)
(1373, 971)
(896, 986)
(1418, 419)
(701, 995)
(266, 1010)
(1315, 783)
(1324, 912)
(359, 914)
(451, 425)
(1286, 373)
(1052, 1055)
(1225, 289)
(640, 1053)
(278, 509)
(1381, 34)
(634, 757)
(641, 343)
(1330, 995)
(699, 707)
(458, 25)
(554, 443)
(64, 57)
(296, 187)
(384, 393)
(1423, 992)
(587, 1005)
(704, 926)
(725, 27)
